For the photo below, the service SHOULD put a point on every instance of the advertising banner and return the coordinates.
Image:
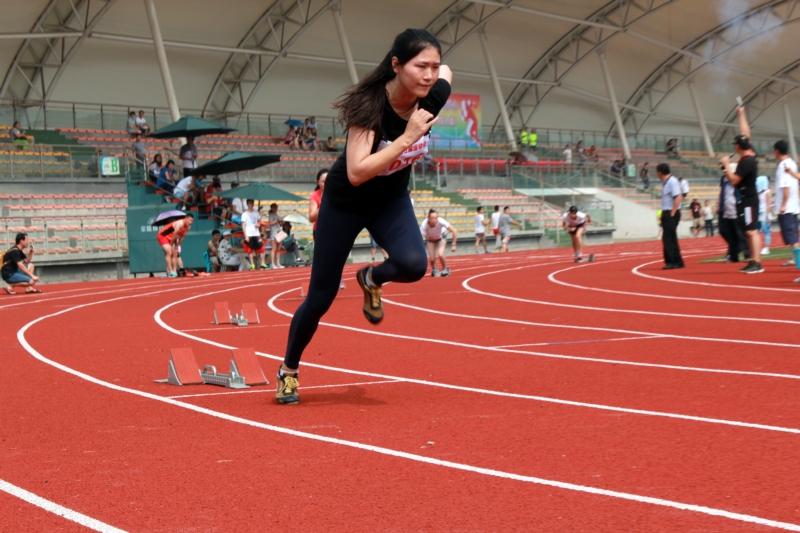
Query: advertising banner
(459, 123)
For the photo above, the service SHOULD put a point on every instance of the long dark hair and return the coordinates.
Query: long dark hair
(319, 175)
(362, 105)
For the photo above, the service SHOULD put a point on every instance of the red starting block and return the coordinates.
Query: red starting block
(182, 368)
(250, 313)
(245, 361)
(222, 314)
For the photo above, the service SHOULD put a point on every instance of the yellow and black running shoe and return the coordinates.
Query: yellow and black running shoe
(287, 389)
(373, 308)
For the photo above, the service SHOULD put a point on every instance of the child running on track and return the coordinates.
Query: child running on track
(387, 117)
(574, 222)
(170, 237)
(480, 231)
(432, 230)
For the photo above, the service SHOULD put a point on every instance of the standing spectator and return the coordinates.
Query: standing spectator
(253, 245)
(154, 170)
(275, 222)
(644, 173)
(582, 157)
(311, 124)
(764, 211)
(373, 248)
(533, 139)
(168, 177)
(684, 187)
(729, 223)
(708, 216)
(524, 139)
(238, 206)
(141, 124)
(289, 244)
(697, 221)
(480, 231)
(744, 179)
(670, 216)
(131, 126)
(505, 223)
(567, 154)
(496, 227)
(17, 269)
(139, 151)
(228, 255)
(18, 137)
(786, 201)
(330, 146)
(593, 155)
(188, 153)
(212, 249)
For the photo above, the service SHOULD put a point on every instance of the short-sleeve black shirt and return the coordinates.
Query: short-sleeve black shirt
(373, 195)
(10, 260)
(747, 169)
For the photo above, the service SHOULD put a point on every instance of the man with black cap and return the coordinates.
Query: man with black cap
(670, 216)
(744, 179)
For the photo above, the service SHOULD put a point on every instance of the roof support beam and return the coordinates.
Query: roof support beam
(787, 115)
(614, 105)
(700, 117)
(163, 64)
(498, 92)
(348, 55)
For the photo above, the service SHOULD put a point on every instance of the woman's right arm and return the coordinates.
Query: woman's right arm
(362, 166)
(313, 211)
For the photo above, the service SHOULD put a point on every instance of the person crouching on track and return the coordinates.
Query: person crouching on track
(17, 270)
(253, 245)
(575, 222)
(432, 231)
(170, 238)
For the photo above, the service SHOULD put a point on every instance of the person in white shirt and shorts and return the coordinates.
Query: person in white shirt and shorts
(432, 230)
(253, 245)
(787, 203)
(480, 231)
(575, 222)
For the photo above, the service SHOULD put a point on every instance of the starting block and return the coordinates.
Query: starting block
(182, 368)
(222, 314)
(250, 313)
(245, 361)
(231, 381)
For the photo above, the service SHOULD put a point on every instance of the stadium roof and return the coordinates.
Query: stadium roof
(285, 56)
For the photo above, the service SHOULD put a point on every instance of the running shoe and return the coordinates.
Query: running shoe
(434, 272)
(373, 307)
(487, 252)
(342, 286)
(765, 251)
(252, 266)
(287, 389)
(578, 260)
(173, 274)
(753, 267)
(789, 263)
(264, 267)
(445, 272)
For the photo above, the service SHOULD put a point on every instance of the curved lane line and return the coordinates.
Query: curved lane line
(706, 284)
(387, 451)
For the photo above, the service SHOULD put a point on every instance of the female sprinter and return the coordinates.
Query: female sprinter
(170, 237)
(574, 222)
(387, 117)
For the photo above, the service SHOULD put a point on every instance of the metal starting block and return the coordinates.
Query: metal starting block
(239, 320)
(231, 381)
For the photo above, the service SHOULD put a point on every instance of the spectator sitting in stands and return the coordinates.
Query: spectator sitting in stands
(20, 138)
(188, 155)
(141, 123)
(238, 206)
(131, 127)
(214, 182)
(310, 140)
(311, 124)
(168, 177)
(17, 270)
(592, 153)
(227, 254)
(289, 244)
(154, 170)
(291, 138)
(139, 151)
(186, 190)
(616, 168)
(213, 250)
(215, 205)
(330, 146)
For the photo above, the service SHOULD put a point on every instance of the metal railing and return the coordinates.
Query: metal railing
(47, 232)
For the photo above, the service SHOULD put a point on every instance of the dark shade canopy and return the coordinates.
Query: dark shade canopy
(190, 126)
(235, 162)
(263, 192)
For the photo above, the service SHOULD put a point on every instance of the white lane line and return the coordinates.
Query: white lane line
(644, 334)
(585, 341)
(706, 284)
(466, 285)
(271, 390)
(499, 393)
(395, 453)
(552, 277)
(52, 507)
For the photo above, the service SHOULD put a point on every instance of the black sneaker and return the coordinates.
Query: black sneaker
(287, 389)
(753, 267)
(373, 307)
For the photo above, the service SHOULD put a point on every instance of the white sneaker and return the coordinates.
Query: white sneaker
(765, 251)
(435, 272)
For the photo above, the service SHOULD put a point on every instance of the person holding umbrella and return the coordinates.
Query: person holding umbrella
(387, 117)
(170, 236)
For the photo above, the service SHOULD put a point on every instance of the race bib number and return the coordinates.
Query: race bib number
(414, 153)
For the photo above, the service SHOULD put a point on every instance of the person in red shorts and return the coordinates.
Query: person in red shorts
(170, 237)
(253, 244)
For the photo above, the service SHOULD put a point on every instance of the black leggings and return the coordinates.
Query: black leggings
(395, 229)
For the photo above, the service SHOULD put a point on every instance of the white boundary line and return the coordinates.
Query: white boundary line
(52, 507)
(657, 278)
(581, 341)
(395, 453)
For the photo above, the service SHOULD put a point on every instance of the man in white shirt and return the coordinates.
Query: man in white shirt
(684, 187)
(480, 231)
(188, 155)
(141, 123)
(184, 190)
(432, 230)
(228, 255)
(574, 222)
(786, 200)
(670, 216)
(253, 245)
(568, 154)
(496, 227)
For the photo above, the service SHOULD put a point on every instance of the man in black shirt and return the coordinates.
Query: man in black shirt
(17, 270)
(744, 179)
(697, 221)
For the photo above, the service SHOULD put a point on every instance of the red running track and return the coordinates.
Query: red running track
(523, 393)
